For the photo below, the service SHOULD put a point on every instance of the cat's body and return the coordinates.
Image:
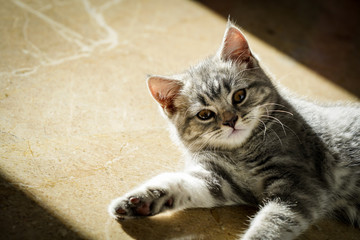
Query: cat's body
(247, 142)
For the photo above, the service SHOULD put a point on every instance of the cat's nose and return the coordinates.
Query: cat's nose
(229, 119)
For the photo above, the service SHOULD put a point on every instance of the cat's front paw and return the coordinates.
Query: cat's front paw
(140, 203)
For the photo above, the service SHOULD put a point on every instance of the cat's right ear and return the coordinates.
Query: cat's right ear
(164, 91)
(234, 46)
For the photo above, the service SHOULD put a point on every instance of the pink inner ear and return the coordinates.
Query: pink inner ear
(235, 46)
(164, 91)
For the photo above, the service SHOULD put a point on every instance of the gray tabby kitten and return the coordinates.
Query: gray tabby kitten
(247, 141)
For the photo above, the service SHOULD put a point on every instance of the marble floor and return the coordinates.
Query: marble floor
(78, 127)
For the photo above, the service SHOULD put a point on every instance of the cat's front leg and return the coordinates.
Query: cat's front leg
(165, 191)
(276, 220)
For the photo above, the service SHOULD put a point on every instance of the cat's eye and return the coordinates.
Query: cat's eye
(205, 114)
(239, 96)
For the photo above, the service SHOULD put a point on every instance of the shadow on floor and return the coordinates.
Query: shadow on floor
(227, 223)
(321, 34)
(22, 218)
(217, 223)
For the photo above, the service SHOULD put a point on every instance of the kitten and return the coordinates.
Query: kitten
(250, 142)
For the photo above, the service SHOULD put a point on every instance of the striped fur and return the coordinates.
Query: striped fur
(298, 160)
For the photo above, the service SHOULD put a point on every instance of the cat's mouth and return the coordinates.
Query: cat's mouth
(235, 132)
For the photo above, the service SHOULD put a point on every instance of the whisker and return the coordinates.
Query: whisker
(294, 133)
(281, 111)
(276, 104)
(284, 126)
(209, 137)
(258, 119)
(277, 120)
(265, 129)
(278, 137)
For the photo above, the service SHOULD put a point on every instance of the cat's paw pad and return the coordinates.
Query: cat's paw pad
(140, 204)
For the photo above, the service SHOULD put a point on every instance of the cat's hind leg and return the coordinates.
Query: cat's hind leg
(289, 208)
(276, 220)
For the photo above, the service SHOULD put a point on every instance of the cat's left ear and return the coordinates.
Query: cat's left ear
(164, 91)
(234, 46)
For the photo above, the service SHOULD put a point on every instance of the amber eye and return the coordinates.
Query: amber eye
(205, 114)
(239, 96)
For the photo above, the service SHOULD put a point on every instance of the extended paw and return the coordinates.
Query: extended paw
(145, 203)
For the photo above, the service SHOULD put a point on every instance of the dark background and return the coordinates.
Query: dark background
(324, 35)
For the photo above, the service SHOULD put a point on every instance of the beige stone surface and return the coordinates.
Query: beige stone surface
(78, 127)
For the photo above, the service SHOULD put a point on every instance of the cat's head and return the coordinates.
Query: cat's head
(219, 102)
